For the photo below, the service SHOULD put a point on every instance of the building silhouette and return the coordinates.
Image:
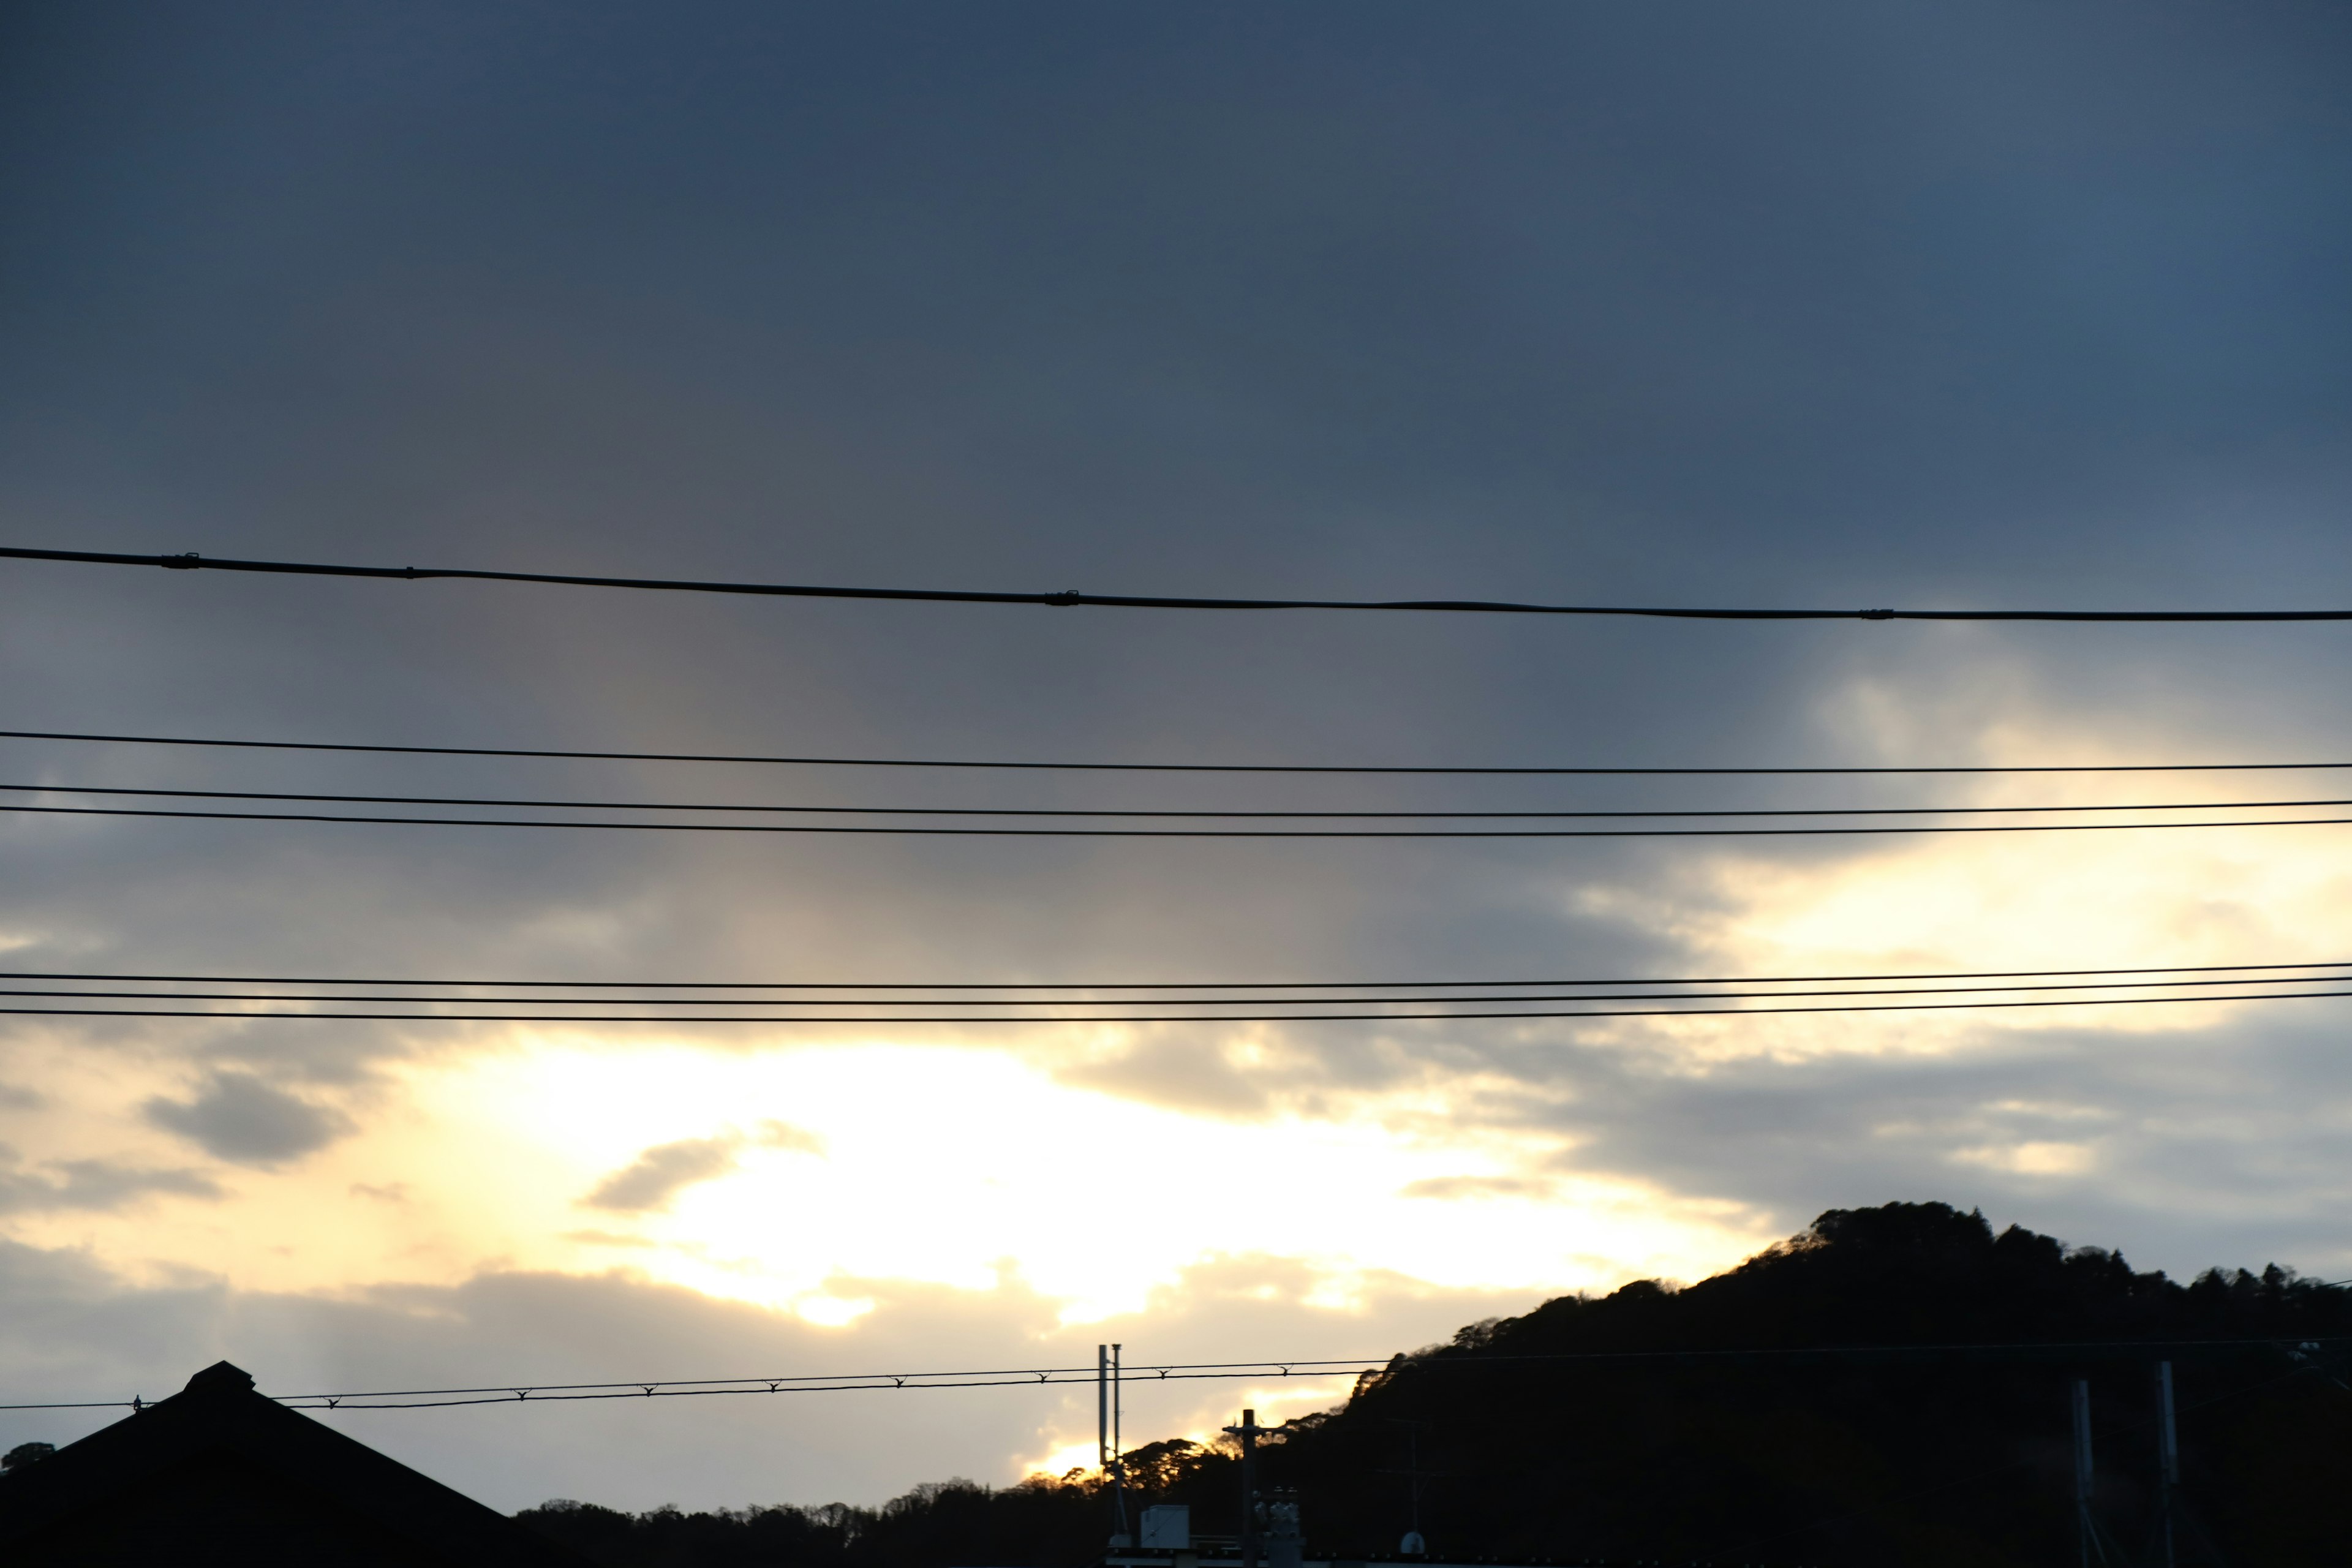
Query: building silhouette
(219, 1475)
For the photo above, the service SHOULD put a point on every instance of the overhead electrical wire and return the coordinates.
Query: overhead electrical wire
(994, 1002)
(1366, 1367)
(1071, 597)
(1452, 1014)
(524, 1392)
(519, 804)
(901, 831)
(990, 1001)
(282, 980)
(815, 762)
(1487, 999)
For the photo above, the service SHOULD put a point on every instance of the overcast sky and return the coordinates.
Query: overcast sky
(1803, 305)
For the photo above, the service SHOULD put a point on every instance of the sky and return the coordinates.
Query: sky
(1813, 305)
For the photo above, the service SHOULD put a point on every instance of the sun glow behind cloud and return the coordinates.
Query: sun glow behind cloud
(948, 1164)
(1993, 903)
(963, 1161)
(1096, 1171)
(953, 1166)
(824, 1178)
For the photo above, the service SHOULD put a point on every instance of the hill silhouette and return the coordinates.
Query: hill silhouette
(1890, 1385)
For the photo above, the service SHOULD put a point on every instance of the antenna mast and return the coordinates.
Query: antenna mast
(1107, 1452)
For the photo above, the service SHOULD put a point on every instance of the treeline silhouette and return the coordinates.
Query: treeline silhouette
(1947, 1441)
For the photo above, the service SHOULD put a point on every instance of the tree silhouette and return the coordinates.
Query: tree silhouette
(1643, 1425)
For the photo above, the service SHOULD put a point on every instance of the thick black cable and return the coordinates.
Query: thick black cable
(511, 1393)
(1142, 1018)
(62, 975)
(82, 1404)
(523, 803)
(1068, 598)
(345, 999)
(1140, 767)
(1301, 1367)
(894, 830)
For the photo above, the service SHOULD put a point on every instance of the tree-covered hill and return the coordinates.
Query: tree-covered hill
(1891, 1386)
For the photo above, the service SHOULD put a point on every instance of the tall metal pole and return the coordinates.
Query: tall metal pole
(1102, 1425)
(1413, 1458)
(1249, 1488)
(1413, 1475)
(2083, 1527)
(1247, 1432)
(1118, 1453)
(2168, 1458)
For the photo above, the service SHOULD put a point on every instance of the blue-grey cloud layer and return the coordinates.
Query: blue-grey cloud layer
(1801, 305)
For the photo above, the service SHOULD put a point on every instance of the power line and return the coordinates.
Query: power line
(1454, 1015)
(895, 830)
(519, 804)
(1156, 985)
(1144, 767)
(524, 1392)
(1069, 598)
(1212, 1001)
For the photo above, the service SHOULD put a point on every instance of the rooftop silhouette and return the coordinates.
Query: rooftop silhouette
(221, 1474)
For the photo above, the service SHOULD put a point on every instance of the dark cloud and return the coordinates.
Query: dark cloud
(660, 1174)
(238, 1117)
(2182, 1155)
(93, 1185)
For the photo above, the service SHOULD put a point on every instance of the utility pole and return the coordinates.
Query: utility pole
(1108, 1454)
(1117, 1449)
(2086, 1527)
(1414, 1544)
(2167, 1462)
(1248, 1433)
